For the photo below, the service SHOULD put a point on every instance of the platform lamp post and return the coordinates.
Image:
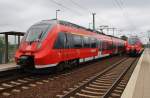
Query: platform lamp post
(57, 14)
(93, 14)
(148, 38)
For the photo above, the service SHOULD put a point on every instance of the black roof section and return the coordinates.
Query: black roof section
(13, 33)
(77, 26)
(66, 23)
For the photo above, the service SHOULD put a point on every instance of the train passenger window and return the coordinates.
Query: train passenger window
(82, 41)
(104, 45)
(113, 45)
(93, 43)
(77, 42)
(99, 44)
(60, 41)
(86, 42)
(109, 45)
(69, 40)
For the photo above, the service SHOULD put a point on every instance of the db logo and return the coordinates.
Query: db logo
(28, 48)
(93, 50)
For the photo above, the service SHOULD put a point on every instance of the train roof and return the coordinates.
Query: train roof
(134, 37)
(66, 23)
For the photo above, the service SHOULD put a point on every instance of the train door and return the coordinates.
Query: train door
(60, 45)
(116, 48)
(99, 48)
(113, 44)
(77, 45)
(102, 47)
(70, 52)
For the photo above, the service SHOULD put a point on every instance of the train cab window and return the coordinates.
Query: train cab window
(60, 41)
(86, 42)
(77, 42)
(38, 31)
(132, 41)
(69, 40)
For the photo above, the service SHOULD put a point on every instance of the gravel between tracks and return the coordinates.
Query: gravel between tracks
(56, 86)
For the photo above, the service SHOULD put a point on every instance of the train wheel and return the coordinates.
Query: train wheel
(75, 63)
(72, 64)
(60, 67)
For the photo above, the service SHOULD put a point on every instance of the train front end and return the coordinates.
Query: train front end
(33, 52)
(134, 46)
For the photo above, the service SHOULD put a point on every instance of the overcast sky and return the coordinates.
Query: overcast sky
(131, 17)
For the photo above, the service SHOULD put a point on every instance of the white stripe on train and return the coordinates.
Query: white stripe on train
(80, 60)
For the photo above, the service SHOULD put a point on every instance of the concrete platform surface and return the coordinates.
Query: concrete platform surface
(139, 83)
(5, 67)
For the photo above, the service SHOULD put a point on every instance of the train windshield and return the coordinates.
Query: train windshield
(132, 41)
(38, 32)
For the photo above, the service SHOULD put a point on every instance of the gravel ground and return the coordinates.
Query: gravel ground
(56, 86)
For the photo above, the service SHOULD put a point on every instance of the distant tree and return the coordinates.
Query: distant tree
(2, 41)
(124, 37)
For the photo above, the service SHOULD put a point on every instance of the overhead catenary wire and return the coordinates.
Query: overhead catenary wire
(120, 4)
(85, 9)
(100, 19)
(63, 6)
(81, 7)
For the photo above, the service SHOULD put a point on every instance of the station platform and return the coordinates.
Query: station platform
(9, 66)
(139, 83)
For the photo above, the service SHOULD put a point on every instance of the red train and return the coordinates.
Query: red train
(134, 46)
(62, 44)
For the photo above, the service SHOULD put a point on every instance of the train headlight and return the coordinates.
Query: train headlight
(20, 46)
(132, 46)
(136, 46)
(128, 48)
(39, 45)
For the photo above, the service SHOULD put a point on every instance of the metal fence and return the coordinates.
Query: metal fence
(11, 53)
(2, 55)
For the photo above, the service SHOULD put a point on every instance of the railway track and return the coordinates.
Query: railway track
(109, 83)
(22, 82)
(10, 81)
(7, 73)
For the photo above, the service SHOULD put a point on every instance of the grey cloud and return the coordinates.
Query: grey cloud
(20, 14)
